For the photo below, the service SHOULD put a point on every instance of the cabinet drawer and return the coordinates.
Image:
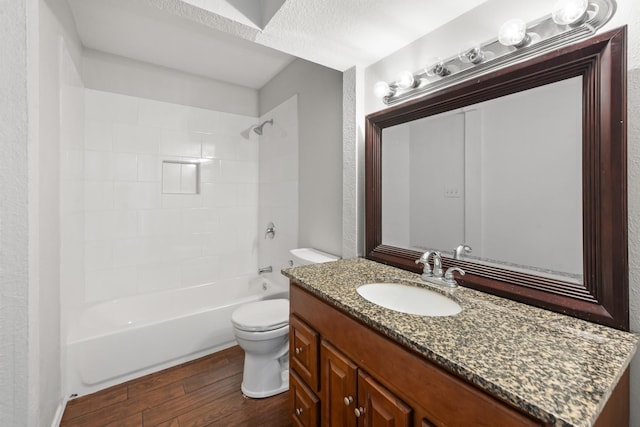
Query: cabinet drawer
(304, 405)
(303, 352)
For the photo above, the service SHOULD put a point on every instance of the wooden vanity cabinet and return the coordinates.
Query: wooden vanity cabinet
(388, 384)
(351, 397)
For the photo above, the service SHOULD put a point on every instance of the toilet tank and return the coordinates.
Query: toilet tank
(306, 256)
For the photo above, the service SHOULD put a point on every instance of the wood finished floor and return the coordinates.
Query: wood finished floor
(204, 392)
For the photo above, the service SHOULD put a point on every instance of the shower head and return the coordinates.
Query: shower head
(258, 129)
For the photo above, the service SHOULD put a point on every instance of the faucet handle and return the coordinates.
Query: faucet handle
(424, 259)
(449, 278)
(271, 231)
(437, 264)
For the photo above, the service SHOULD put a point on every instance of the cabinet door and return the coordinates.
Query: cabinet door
(378, 407)
(303, 352)
(338, 376)
(304, 406)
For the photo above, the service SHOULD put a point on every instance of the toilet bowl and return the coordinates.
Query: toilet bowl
(262, 331)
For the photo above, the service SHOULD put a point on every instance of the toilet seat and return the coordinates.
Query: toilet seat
(261, 316)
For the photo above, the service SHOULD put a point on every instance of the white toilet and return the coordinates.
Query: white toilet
(262, 331)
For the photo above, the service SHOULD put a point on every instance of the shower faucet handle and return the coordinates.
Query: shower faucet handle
(271, 231)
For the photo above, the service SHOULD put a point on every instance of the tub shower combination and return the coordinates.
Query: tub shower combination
(113, 341)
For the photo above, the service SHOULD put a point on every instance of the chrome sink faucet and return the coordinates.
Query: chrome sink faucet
(424, 259)
(436, 276)
(437, 264)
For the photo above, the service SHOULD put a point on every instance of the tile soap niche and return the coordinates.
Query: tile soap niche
(180, 177)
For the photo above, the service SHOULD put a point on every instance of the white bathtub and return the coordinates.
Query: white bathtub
(115, 341)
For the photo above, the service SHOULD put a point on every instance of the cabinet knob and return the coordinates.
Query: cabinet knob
(299, 350)
(359, 411)
(348, 400)
(299, 411)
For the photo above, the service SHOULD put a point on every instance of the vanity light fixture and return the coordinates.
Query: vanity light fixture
(514, 33)
(570, 20)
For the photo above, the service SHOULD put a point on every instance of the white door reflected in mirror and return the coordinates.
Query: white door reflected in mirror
(503, 176)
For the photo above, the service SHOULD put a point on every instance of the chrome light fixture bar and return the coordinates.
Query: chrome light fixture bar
(570, 20)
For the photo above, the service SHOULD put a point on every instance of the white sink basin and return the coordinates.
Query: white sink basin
(409, 299)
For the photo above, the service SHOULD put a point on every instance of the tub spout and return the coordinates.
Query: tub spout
(268, 269)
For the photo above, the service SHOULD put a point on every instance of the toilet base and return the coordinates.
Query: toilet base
(253, 394)
(266, 376)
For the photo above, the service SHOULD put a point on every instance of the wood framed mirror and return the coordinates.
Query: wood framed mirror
(600, 295)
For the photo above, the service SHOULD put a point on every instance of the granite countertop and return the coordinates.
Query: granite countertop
(557, 368)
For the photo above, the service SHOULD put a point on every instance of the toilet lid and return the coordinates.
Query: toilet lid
(265, 315)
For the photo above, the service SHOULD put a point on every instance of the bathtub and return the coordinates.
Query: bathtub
(114, 341)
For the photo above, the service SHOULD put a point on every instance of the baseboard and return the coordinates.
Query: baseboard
(59, 412)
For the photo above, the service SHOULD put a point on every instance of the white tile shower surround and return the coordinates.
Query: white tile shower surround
(72, 190)
(278, 193)
(137, 239)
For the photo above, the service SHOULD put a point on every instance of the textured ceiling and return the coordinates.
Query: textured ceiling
(252, 13)
(138, 30)
(237, 42)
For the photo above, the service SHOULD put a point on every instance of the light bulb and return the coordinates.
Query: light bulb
(437, 68)
(473, 55)
(406, 80)
(514, 33)
(570, 12)
(382, 89)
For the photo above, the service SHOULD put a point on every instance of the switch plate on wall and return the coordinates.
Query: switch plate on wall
(452, 193)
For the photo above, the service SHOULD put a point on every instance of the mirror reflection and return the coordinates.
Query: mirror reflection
(503, 177)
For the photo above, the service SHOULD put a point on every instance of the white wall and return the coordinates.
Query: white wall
(58, 53)
(437, 150)
(482, 24)
(14, 277)
(319, 91)
(352, 162)
(279, 187)
(111, 73)
(629, 13)
(544, 169)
